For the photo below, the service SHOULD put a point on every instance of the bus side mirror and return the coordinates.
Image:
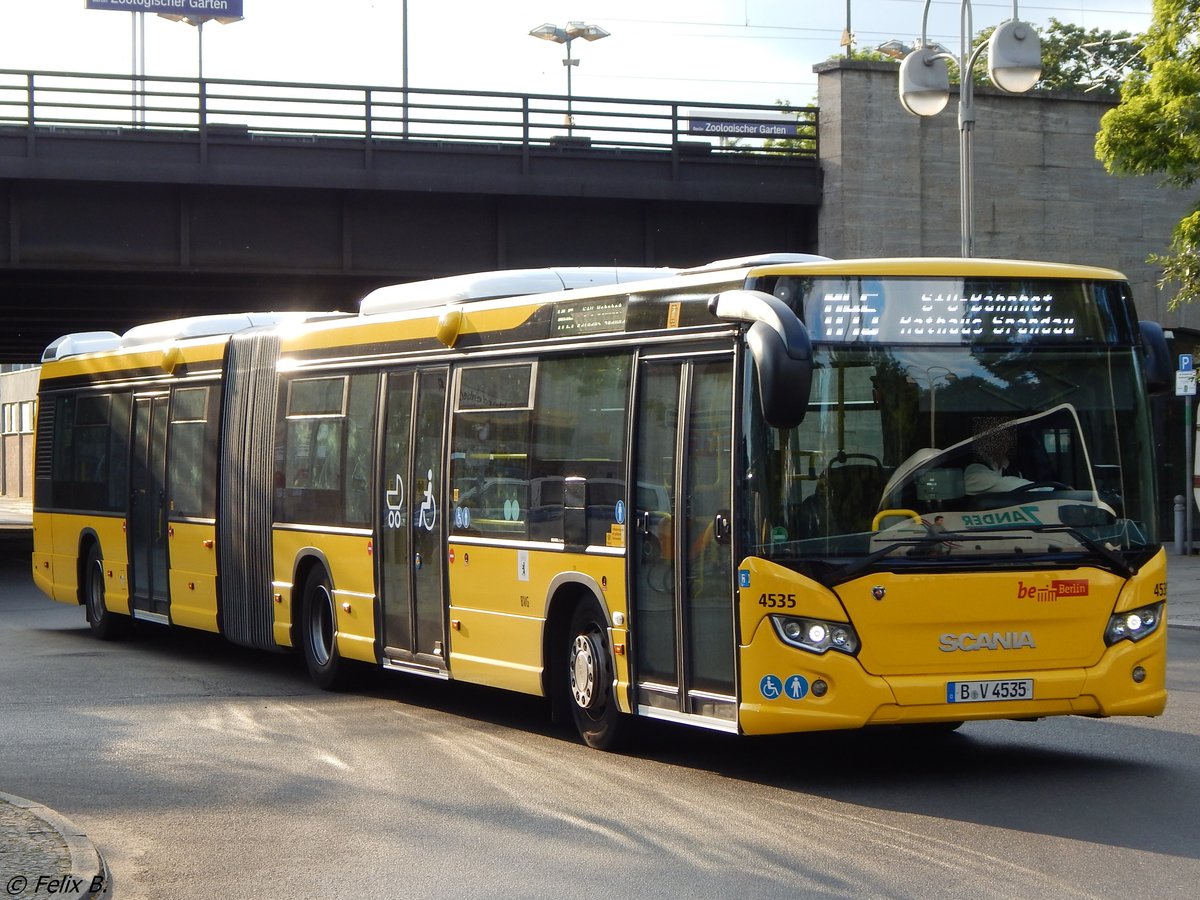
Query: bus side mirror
(1156, 358)
(781, 350)
(783, 380)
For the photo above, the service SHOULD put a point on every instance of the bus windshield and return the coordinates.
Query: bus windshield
(958, 452)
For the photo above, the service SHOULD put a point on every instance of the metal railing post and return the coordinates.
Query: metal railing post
(674, 141)
(525, 135)
(30, 116)
(202, 94)
(368, 128)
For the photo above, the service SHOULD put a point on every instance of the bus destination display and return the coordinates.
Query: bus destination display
(906, 313)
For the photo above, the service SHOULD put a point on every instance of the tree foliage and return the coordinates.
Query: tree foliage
(1077, 59)
(804, 143)
(1073, 58)
(1156, 129)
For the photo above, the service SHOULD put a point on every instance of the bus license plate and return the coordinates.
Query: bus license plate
(988, 691)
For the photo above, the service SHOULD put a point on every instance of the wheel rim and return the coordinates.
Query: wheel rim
(583, 671)
(320, 625)
(95, 592)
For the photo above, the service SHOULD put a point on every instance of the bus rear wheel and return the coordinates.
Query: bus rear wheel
(590, 683)
(318, 633)
(105, 624)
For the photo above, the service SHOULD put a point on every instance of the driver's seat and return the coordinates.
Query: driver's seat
(848, 494)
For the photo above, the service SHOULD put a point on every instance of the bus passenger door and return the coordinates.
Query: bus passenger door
(147, 523)
(412, 527)
(683, 590)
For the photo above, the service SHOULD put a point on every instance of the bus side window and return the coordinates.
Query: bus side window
(192, 467)
(360, 444)
(313, 432)
(489, 459)
(91, 451)
(579, 434)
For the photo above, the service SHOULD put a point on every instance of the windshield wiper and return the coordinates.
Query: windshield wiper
(1114, 557)
(857, 568)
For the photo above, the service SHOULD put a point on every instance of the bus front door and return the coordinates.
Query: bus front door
(412, 528)
(683, 590)
(147, 527)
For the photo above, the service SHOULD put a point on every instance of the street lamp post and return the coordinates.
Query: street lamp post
(1014, 66)
(932, 374)
(564, 35)
(198, 22)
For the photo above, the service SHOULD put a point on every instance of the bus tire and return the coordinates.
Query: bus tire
(589, 681)
(105, 624)
(318, 633)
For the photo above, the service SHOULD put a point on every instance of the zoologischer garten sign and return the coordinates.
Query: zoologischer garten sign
(738, 123)
(222, 8)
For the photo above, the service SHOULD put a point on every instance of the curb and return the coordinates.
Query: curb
(86, 863)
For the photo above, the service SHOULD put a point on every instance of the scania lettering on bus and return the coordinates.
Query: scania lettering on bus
(987, 640)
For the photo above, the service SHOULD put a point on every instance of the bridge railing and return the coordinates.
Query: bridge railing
(299, 111)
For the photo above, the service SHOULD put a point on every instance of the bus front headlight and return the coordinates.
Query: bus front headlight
(816, 635)
(1133, 625)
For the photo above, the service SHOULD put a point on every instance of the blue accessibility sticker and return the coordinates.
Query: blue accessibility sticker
(744, 577)
(770, 687)
(796, 687)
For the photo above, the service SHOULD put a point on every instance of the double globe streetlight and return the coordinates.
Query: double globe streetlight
(1014, 66)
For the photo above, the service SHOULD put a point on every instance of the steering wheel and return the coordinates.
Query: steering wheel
(1039, 485)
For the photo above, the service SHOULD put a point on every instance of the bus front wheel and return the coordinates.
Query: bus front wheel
(590, 683)
(105, 624)
(318, 633)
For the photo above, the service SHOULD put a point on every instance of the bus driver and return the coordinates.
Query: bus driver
(989, 474)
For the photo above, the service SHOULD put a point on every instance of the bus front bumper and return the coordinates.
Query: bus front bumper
(784, 690)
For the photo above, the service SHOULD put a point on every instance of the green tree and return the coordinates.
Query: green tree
(1073, 58)
(805, 141)
(1155, 129)
(1078, 59)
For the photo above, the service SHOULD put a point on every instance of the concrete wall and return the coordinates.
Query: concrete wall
(892, 183)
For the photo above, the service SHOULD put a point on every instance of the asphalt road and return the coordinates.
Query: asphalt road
(198, 768)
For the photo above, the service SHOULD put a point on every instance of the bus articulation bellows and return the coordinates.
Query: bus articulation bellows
(766, 495)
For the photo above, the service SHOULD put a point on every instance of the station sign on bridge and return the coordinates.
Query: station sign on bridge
(727, 123)
(211, 8)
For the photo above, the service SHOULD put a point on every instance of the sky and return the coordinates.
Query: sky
(720, 51)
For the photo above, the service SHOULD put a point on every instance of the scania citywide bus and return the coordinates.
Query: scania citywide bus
(767, 495)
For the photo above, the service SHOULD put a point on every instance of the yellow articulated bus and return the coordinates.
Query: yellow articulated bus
(767, 495)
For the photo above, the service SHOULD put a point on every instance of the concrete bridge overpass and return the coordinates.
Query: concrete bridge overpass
(126, 201)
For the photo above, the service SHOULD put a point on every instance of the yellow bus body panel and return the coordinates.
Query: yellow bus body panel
(906, 681)
(500, 605)
(56, 544)
(495, 649)
(43, 561)
(193, 576)
(504, 315)
(352, 571)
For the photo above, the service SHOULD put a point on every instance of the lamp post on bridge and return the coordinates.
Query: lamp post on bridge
(198, 22)
(564, 35)
(1014, 66)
